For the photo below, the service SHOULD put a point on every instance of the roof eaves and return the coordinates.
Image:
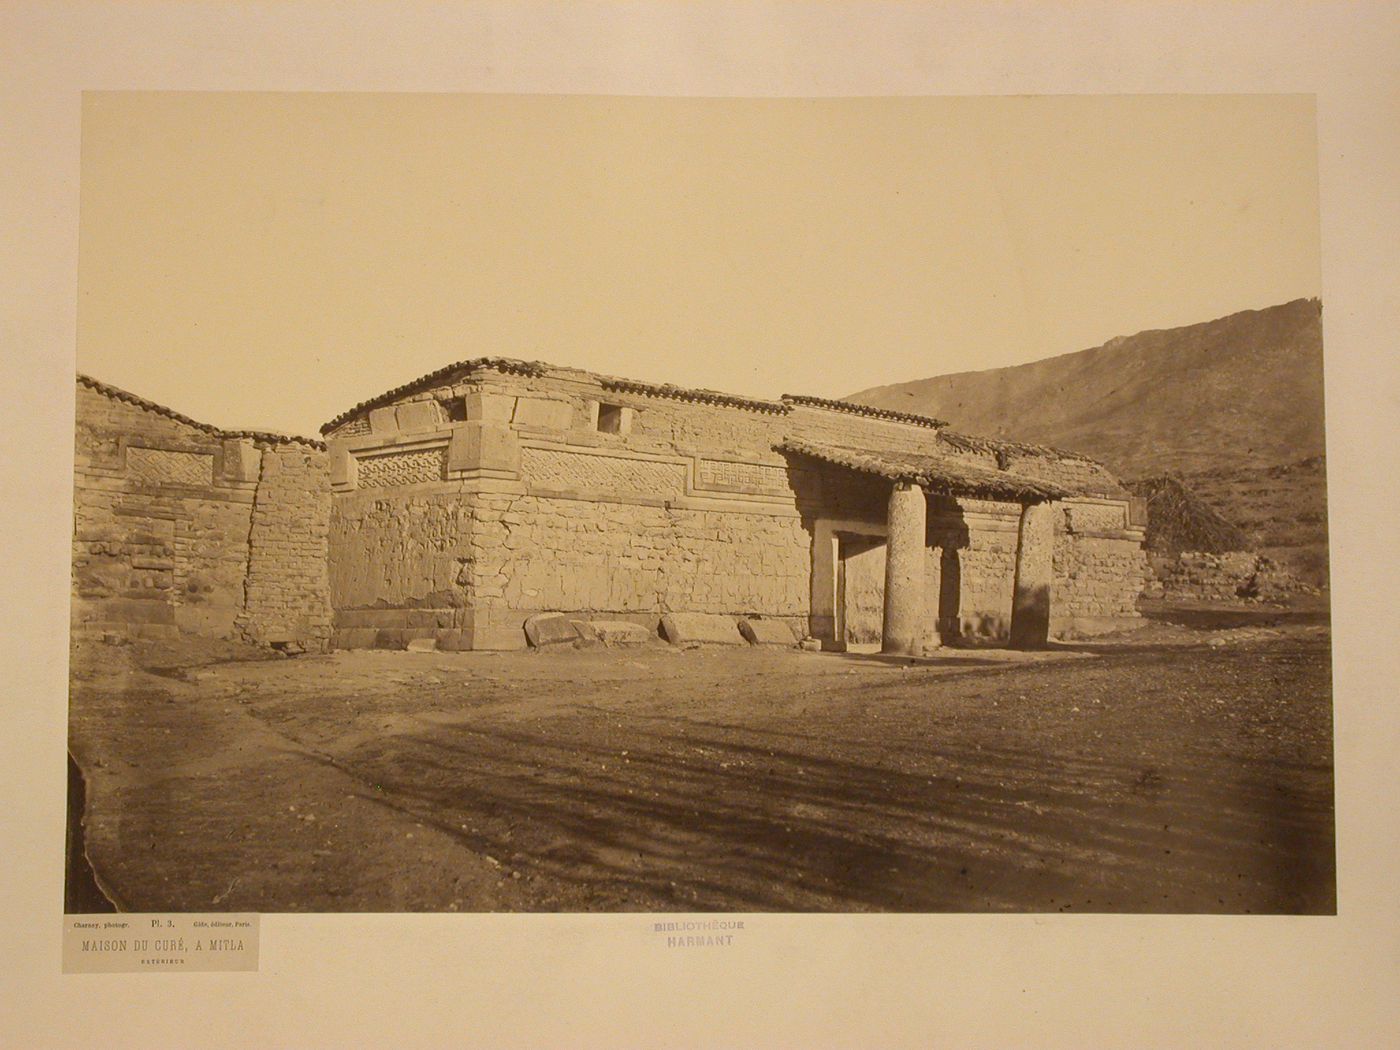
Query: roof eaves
(680, 393)
(975, 443)
(865, 410)
(955, 479)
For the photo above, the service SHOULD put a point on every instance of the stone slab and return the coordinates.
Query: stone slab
(767, 632)
(545, 629)
(356, 637)
(700, 629)
(422, 645)
(619, 633)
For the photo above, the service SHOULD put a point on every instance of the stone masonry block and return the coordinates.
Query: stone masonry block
(545, 629)
(620, 633)
(383, 420)
(242, 461)
(483, 446)
(340, 466)
(544, 413)
(417, 416)
(489, 407)
(767, 632)
(687, 629)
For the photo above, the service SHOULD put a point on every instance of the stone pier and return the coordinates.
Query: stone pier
(904, 571)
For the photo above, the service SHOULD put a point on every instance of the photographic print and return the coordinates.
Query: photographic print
(504, 503)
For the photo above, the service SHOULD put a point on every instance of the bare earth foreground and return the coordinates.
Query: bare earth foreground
(1184, 768)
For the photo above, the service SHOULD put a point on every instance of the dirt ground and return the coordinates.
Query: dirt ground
(1185, 767)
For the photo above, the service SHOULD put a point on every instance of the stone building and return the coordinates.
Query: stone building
(180, 527)
(491, 490)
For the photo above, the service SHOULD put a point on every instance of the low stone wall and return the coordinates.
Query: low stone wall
(1196, 576)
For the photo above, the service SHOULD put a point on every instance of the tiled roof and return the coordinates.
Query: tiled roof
(461, 369)
(151, 406)
(937, 475)
(467, 367)
(972, 443)
(864, 410)
(634, 386)
(680, 393)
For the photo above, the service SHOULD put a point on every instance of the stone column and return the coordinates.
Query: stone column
(904, 571)
(1035, 549)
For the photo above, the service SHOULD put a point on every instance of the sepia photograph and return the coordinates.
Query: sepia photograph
(747, 524)
(584, 503)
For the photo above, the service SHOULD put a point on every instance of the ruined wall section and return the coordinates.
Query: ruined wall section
(172, 516)
(161, 518)
(984, 546)
(684, 506)
(287, 591)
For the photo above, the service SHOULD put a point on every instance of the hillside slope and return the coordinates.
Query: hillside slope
(1240, 391)
(1232, 406)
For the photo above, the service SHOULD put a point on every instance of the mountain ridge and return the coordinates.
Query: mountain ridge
(1241, 389)
(1233, 405)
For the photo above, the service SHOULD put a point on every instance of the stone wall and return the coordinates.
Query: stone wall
(987, 576)
(531, 554)
(1097, 583)
(401, 564)
(169, 513)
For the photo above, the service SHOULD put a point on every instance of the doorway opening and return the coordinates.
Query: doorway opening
(860, 592)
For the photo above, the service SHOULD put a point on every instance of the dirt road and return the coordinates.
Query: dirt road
(1178, 769)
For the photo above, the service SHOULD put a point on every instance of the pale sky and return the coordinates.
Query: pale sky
(268, 260)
